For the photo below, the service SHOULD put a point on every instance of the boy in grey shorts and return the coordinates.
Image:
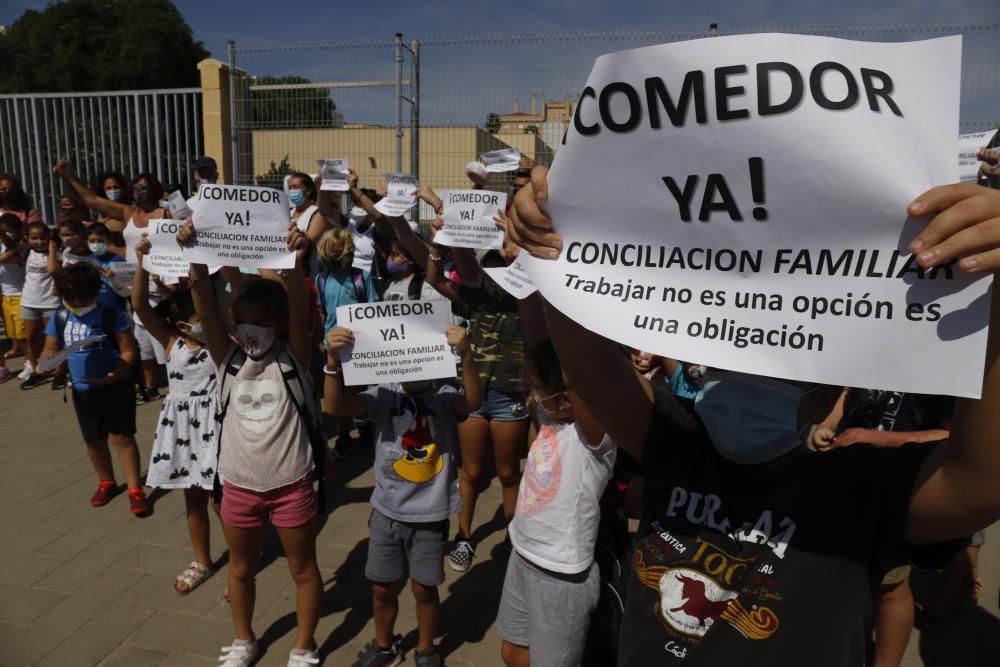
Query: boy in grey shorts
(416, 434)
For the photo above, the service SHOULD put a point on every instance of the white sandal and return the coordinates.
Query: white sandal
(192, 577)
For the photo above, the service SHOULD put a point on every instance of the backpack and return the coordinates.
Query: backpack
(109, 342)
(357, 277)
(299, 389)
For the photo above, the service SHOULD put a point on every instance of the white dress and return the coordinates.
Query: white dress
(187, 434)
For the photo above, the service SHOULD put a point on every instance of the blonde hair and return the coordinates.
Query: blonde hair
(334, 246)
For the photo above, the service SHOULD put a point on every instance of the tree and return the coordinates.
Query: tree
(292, 107)
(275, 176)
(88, 45)
(492, 123)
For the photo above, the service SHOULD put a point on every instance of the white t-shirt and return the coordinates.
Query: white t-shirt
(11, 276)
(38, 284)
(557, 515)
(364, 243)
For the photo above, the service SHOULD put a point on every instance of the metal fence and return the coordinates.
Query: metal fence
(308, 101)
(134, 131)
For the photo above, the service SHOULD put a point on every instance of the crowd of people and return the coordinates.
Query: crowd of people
(739, 549)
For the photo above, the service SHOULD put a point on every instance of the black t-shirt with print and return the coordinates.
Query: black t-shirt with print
(761, 565)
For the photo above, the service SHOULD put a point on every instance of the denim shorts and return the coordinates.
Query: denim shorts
(31, 313)
(502, 406)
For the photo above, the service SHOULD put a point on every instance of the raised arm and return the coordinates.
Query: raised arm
(336, 401)
(150, 319)
(111, 209)
(413, 244)
(364, 201)
(957, 491)
(212, 322)
(472, 397)
(436, 277)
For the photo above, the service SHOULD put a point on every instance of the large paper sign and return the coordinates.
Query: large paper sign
(46, 364)
(240, 225)
(123, 276)
(397, 341)
(165, 258)
(740, 202)
(505, 159)
(468, 219)
(334, 174)
(968, 154)
(513, 279)
(400, 194)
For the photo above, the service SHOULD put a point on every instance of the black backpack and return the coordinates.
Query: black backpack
(299, 388)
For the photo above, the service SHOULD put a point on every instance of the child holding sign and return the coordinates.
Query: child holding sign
(415, 494)
(101, 372)
(187, 433)
(268, 425)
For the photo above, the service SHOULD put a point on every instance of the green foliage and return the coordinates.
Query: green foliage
(292, 107)
(275, 176)
(88, 45)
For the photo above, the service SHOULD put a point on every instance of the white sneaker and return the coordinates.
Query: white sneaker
(302, 658)
(240, 654)
(26, 373)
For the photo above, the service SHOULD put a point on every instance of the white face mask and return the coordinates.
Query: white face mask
(113, 194)
(255, 340)
(358, 213)
(749, 418)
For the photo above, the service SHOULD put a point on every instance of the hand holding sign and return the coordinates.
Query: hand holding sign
(468, 219)
(400, 195)
(46, 364)
(335, 174)
(505, 159)
(163, 256)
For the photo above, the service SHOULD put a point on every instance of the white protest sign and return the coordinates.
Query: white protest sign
(513, 278)
(334, 173)
(400, 196)
(968, 154)
(124, 276)
(505, 159)
(165, 258)
(45, 364)
(397, 341)
(468, 219)
(740, 202)
(179, 209)
(240, 225)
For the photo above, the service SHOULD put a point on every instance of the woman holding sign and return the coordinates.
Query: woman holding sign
(737, 532)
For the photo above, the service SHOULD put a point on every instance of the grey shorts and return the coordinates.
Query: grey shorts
(547, 612)
(397, 549)
(29, 313)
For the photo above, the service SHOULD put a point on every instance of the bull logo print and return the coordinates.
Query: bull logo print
(421, 460)
(691, 603)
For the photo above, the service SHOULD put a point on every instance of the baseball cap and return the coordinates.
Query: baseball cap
(205, 162)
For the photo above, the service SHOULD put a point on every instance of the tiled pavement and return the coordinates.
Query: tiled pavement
(84, 586)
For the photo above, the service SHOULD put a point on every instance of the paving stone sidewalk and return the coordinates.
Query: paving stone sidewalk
(84, 586)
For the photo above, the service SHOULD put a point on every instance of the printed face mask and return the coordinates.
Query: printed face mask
(255, 340)
(296, 196)
(98, 247)
(81, 310)
(113, 194)
(750, 419)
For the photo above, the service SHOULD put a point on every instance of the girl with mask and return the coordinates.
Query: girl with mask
(187, 431)
(266, 462)
(14, 200)
(305, 213)
(98, 243)
(114, 187)
(38, 301)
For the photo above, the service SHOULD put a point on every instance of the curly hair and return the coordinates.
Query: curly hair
(79, 282)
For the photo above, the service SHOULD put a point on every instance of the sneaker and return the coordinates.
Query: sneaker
(26, 372)
(148, 395)
(59, 382)
(240, 654)
(298, 657)
(106, 490)
(138, 504)
(461, 555)
(374, 655)
(432, 659)
(4, 374)
(31, 382)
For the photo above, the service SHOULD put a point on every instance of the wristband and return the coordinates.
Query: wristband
(330, 371)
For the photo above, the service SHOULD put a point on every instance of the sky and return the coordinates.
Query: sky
(257, 21)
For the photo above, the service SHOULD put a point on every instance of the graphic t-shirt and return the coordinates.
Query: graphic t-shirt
(11, 275)
(38, 283)
(558, 502)
(416, 439)
(97, 359)
(761, 565)
(495, 334)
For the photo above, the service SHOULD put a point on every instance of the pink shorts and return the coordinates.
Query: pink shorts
(288, 506)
